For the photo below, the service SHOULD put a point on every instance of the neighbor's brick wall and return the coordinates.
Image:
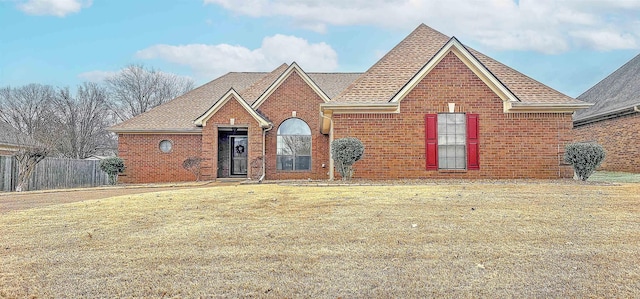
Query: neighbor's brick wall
(222, 118)
(619, 137)
(145, 163)
(295, 95)
(527, 145)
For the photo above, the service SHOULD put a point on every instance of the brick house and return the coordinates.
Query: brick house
(614, 119)
(430, 108)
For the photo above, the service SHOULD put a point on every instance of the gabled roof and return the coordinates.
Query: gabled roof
(453, 45)
(290, 70)
(389, 75)
(12, 137)
(617, 92)
(231, 94)
(179, 114)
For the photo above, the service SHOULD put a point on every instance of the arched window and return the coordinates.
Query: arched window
(294, 145)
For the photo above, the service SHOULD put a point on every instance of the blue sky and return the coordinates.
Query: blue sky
(567, 44)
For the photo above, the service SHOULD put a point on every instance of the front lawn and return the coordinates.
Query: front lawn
(483, 239)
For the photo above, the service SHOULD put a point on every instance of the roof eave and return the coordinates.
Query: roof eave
(202, 120)
(194, 130)
(327, 110)
(607, 115)
(457, 48)
(360, 108)
(525, 107)
(305, 77)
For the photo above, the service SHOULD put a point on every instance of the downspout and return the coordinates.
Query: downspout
(331, 176)
(264, 159)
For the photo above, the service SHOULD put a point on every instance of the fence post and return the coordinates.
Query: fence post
(5, 162)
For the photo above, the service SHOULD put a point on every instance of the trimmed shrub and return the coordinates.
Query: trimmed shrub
(193, 164)
(345, 152)
(584, 157)
(112, 166)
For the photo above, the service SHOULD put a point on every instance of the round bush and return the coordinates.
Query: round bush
(584, 157)
(345, 152)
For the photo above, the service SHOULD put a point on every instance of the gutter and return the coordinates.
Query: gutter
(520, 107)
(607, 115)
(156, 131)
(359, 108)
(264, 159)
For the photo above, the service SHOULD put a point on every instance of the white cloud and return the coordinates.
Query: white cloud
(96, 76)
(209, 61)
(58, 8)
(549, 26)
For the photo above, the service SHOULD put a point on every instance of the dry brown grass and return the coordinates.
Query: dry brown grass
(462, 240)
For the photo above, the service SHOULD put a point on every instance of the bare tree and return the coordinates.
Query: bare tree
(29, 152)
(28, 109)
(27, 159)
(136, 89)
(297, 145)
(82, 121)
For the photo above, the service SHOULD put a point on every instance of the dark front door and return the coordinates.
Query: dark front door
(238, 155)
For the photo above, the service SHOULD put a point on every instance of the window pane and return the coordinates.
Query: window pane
(294, 145)
(303, 145)
(284, 163)
(303, 163)
(452, 141)
(294, 126)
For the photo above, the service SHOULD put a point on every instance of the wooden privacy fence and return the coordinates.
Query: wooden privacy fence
(54, 173)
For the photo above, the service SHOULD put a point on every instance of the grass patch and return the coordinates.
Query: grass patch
(460, 240)
(615, 177)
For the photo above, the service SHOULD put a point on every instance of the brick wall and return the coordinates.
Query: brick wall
(145, 163)
(222, 119)
(295, 95)
(528, 145)
(619, 137)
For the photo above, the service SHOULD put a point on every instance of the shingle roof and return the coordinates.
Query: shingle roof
(385, 78)
(525, 88)
(619, 90)
(10, 136)
(333, 83)
(179, 114)
(253, 92)
(377, 85)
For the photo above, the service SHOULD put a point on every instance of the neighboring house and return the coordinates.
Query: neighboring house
(614, 119)
(12, 140)
(430, 108)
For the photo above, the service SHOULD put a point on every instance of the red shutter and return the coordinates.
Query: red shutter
(473, 144)
(431, 140)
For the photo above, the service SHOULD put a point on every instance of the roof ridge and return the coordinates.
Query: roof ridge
(383, 59)
(337, 73)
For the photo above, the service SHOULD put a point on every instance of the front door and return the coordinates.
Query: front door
(238, 155)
